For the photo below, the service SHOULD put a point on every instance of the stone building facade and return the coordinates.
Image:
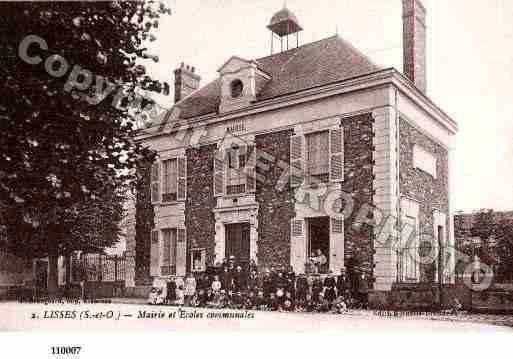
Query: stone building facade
(314, 147)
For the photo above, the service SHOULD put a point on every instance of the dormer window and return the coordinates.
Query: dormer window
(240, 81)
(236, 88)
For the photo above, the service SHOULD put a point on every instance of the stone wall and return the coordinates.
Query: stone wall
(199, 215)
(493, 300)
(358, 180)
(276, 207)
(431, 193)
(144, 224)
(425, 297)
(141, 291)
(420, 297)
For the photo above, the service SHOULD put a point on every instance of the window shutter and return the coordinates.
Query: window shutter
(250, 168)
(155, 183)
(336, 154)
(242, 156)
(181, 251)
(154, 254)
(219, 175)
(204, 260)
(298, 245)
(182, 179)
(297, 149)
(166, 267)
(297, 228)
(336, 244)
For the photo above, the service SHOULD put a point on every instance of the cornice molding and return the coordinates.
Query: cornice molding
(383, 78)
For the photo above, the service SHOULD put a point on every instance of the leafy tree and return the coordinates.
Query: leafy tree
(67, 150)
(504, 235)
(484, 228)
(484, 225)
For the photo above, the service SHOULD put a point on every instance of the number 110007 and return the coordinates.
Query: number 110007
(66, 350)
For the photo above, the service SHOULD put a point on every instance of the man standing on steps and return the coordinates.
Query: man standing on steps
(342, 283)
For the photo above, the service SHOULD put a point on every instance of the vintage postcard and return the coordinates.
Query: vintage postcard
(218, 165)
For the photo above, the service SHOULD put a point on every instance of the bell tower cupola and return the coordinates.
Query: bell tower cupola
(283, 24)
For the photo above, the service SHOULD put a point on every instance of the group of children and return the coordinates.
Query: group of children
(273, 290)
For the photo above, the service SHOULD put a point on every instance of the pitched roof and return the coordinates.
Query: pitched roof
(318, 63)
(204, 101)
(312, 65)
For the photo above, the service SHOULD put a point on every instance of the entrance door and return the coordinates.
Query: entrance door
(319, 237)
(237, 243)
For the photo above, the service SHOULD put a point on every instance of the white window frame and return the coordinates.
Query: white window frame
(163, 186)
(309, 176)
(246, 176)
(177, 158)
(181, 250)
(424, 160)
(155, 252)
(299, 175)
(155, 183)
(240, 178)
(297, 159)
(172, 250)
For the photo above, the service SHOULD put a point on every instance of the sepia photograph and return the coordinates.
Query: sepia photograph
(255, 166)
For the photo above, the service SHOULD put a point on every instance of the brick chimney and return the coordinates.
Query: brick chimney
(186, 81)
(414, 42)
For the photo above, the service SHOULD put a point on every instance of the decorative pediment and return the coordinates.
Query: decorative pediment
(235, 64)
(230, 140)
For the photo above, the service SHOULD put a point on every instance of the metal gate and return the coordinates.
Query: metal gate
(103, 275)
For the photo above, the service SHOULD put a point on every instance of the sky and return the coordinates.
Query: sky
(469, 66)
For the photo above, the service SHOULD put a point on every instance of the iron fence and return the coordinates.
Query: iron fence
(95, 267)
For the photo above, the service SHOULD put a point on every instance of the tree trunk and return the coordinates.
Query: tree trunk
(67, 266)
(53, 277)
